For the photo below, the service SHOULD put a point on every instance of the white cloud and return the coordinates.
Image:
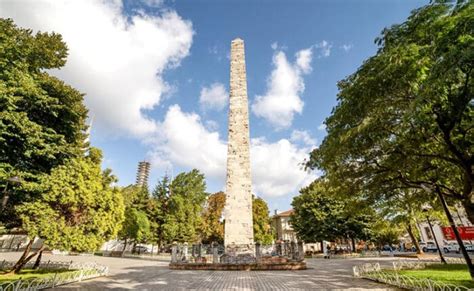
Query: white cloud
(302, 136)
(185, 141)
(153, 3)
(303, 60)
(117, 62)
(322, 127)
(277, 168)
(324, 49)
(214, 96)
(347, 47)
(284, 87)
(274, 45)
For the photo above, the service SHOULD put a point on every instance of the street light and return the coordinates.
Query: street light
(425, 209)
(13, 180)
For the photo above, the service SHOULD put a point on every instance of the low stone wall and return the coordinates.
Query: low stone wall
(239, 267)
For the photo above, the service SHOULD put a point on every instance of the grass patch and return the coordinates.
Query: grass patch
(30, 274)
(454, 274)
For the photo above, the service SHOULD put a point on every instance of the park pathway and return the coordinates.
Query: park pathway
(139, 274)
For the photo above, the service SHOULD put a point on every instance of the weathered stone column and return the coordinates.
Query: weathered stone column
(238, 208)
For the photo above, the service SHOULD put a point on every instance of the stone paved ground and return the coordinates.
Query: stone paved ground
(139, 274)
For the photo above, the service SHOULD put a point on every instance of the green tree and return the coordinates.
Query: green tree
(42, 119)
(404, 119)
(183, 219)
(213, 224)
(135, 196)
(386, 233)
(262, 230)
(158, 209)
(78, 210)
(321, 213)
(136, 227)
(315, 213)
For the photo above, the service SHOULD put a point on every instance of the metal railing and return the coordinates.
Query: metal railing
(235, 254)
(373, 271)
(77, 273)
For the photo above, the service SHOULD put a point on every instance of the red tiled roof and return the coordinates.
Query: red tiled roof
(285, 213)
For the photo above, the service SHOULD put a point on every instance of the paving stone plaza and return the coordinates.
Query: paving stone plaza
(142, 274)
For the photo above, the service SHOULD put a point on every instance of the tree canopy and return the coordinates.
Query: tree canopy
(321, 214)
(213, 226)
(185, 205)
(262, 231)
(42, 119)
(404, 119)
(77, 210)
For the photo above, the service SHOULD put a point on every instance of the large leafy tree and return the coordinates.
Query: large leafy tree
(262, 230)
(157, 209)
(183, 219)
(320, 213)
(404, 119)
(78, 209)
(136, 227)
(213, 224)
(42, 119)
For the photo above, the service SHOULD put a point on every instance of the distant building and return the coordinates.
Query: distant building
(440, 231)
(285, 232)
(283, 228)
(142, 173)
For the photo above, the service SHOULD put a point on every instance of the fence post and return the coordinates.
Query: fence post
(215, 255)
(174, 252)
(300, 251)
(258, 252)
(54, 280)
(199, 250)
(185, 251)
(293, 250)
(279, 249)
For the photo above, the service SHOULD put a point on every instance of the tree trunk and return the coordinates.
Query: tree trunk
(353, 244)
(322, 246)
(38, 260)
(413, 239)
(25, 258)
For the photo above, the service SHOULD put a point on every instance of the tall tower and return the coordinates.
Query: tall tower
(142, 173)
(238, 208)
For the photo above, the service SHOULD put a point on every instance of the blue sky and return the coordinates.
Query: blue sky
(156, 76)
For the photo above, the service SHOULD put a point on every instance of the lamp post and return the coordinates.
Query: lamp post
(6, 196)
(425, 209)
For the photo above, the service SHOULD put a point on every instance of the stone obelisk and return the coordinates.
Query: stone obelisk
(238, 207)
